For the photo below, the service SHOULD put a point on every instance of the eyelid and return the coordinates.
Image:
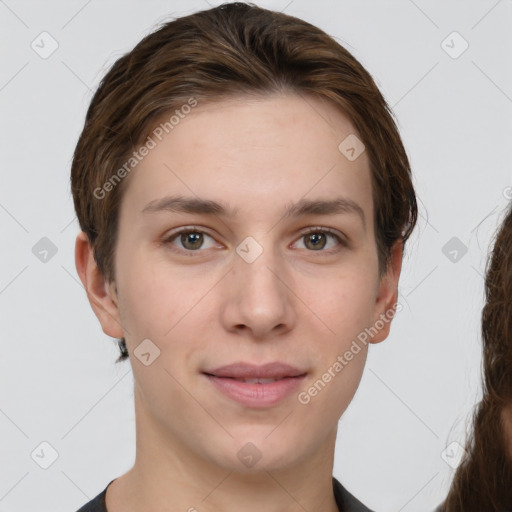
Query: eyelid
(324, 229)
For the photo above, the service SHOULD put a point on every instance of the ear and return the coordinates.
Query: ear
(101, 295)
(387, 295)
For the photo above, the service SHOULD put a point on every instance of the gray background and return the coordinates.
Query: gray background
(59, 381)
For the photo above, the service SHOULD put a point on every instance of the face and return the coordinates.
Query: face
(254, 280)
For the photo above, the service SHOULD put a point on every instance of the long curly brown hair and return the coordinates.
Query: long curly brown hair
(483, 481)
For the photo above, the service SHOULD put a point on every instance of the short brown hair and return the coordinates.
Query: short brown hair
(229, 50)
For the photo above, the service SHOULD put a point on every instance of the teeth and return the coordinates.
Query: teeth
(258, 381)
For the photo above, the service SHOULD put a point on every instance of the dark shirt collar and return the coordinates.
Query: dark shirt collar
(344, 500)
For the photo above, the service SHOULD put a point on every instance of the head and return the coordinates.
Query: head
(483, 479)
(243, 195)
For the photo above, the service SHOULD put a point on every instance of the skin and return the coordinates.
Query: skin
(295, 303)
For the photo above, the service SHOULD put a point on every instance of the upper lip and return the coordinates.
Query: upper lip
(240, 370)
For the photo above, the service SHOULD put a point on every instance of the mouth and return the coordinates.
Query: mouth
(256, 386)
(247, 371)
(252, 381)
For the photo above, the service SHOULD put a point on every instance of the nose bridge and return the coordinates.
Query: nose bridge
(259, 298)
(258, 264)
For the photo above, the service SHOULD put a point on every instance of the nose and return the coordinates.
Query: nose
(258, 299)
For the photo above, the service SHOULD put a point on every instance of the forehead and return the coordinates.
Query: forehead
(253, 153)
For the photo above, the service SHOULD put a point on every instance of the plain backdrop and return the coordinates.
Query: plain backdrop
(452, 96)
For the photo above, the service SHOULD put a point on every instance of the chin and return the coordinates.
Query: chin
(256, 451)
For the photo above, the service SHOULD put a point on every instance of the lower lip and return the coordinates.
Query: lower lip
(257, 395)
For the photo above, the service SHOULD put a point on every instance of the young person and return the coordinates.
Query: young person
(244, 199)
(483, 481)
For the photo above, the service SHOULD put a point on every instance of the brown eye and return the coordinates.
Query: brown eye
(191, 240)
(318, 239)
(315, 241)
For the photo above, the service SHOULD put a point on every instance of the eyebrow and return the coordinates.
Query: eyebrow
(303, 207)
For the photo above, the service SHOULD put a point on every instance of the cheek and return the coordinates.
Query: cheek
(152, 297)
(345, 303)
(164, 305)
(344, 307)
(328, 394)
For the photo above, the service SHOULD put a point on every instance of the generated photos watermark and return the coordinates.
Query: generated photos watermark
(305, 397)
(151, 142)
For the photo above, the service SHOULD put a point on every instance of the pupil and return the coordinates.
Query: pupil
(316, 239)
(193, 239)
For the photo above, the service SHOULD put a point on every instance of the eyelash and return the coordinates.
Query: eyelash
(188, 252)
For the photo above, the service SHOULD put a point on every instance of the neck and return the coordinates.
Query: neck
(167, 476)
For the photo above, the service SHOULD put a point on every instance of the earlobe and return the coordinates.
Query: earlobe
(387, 295)
(101, 294)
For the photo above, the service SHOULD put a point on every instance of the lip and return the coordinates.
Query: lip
(240, 370)
(256, 395)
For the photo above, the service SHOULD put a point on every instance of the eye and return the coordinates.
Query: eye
(190, 239)
(316, 239)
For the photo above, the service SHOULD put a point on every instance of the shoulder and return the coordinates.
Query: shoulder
(347, 502)
(97, 504)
